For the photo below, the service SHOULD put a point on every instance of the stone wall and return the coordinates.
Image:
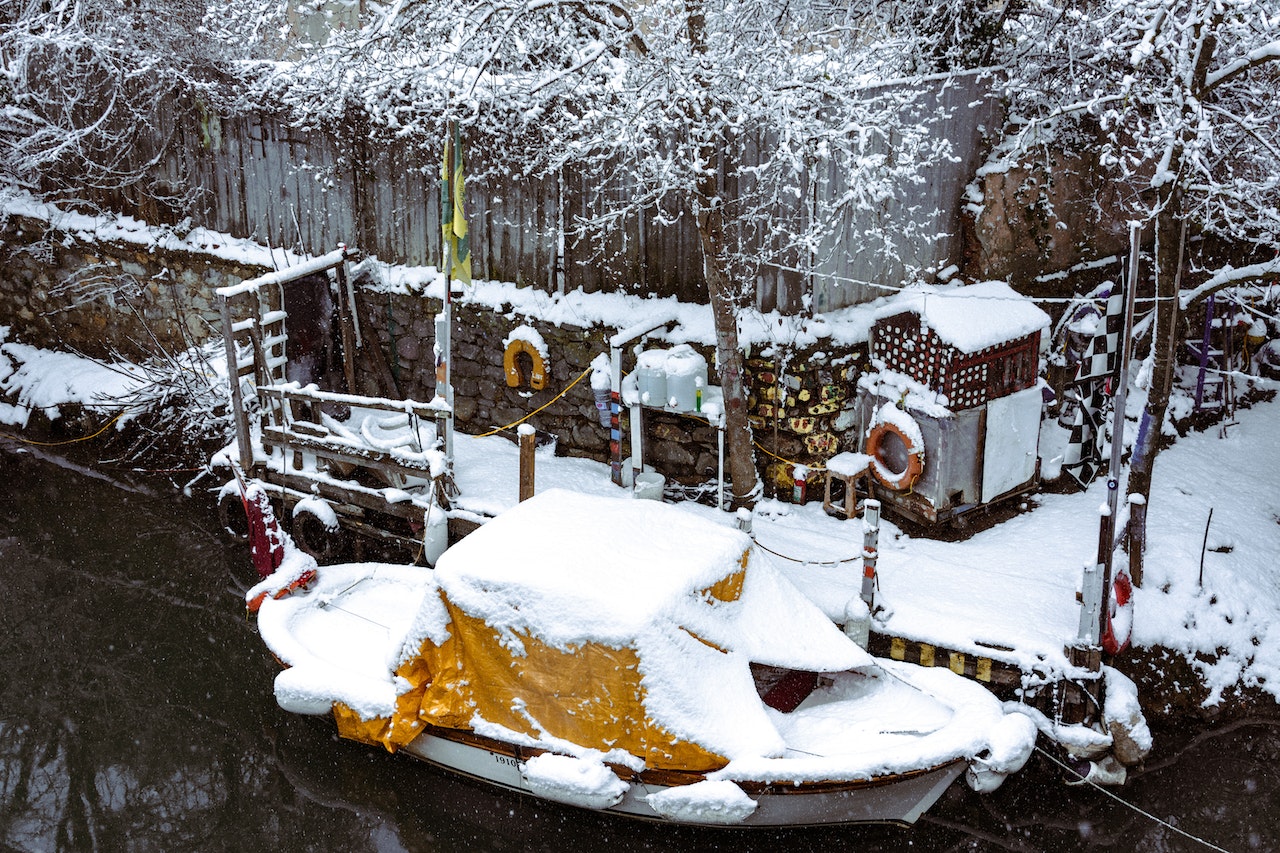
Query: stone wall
(684, 449)
(483, 401)
(802, 411)
(115, 298)
(108, 298)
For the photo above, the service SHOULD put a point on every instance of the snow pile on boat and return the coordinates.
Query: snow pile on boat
(601, 628)
(339, 641)
(708, 802)
(623, 624)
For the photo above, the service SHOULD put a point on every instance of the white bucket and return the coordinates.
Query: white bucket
(629, 472)
(649, 486)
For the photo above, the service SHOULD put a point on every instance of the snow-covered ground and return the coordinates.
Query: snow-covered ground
(1012, 585)
(1229, 611)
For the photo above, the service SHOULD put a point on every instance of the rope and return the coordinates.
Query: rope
(539, 409)
(760, 446)
(1129, 805)
(810, 562)
(67, 441)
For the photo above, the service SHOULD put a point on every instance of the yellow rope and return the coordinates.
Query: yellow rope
(69, 440)
(683, 414)
(539, 409)
(788, 461)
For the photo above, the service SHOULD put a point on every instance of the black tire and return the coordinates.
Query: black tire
(311, 535)
(231, 517)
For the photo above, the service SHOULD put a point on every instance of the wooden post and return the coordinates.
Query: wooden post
(528, 440)
(347, 324)
(377, 357)
(233, 376)
(1079, 696)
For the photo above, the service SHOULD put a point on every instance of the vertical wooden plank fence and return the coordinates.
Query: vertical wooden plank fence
(254, 176)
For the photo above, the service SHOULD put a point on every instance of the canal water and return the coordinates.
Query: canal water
(136, 715)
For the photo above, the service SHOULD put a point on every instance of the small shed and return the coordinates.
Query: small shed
(969, 344)
(958, 367)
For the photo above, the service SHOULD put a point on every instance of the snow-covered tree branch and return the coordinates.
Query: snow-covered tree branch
(1181, 107)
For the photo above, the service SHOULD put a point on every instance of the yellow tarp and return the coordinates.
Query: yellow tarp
(396, 731)
(590, 694)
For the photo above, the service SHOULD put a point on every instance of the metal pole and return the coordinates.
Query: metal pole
(1095, 588)
(870, 550)
(447, 203)
(636, 418)
(448, 371)
(721, 504)
(616, 343)
(1107, 527)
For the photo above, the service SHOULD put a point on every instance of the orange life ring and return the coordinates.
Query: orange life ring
(537, 376)
(894, 480)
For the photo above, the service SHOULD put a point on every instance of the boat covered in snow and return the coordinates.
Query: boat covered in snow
(633, 657)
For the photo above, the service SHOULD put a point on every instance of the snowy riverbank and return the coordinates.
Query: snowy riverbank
(1213, 609)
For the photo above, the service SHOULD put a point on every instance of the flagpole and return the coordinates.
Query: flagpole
(1107, 525)
(446, 333)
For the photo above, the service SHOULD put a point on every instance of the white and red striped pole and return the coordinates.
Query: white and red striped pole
(870, 550)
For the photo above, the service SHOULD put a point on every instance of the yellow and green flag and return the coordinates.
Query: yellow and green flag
(453, 218)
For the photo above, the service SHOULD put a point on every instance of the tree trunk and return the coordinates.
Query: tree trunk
(709, 212)
(742, 466)
(1170, 233)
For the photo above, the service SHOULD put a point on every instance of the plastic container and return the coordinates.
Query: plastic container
(651, 377)
(604, 407)
(686, 377)
(857, 622)
(649, 486)
(435, 534)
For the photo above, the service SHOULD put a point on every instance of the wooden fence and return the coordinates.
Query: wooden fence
(254, 176)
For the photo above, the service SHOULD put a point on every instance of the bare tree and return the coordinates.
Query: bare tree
(87, 88)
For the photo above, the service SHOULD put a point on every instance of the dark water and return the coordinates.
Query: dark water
(136, 714)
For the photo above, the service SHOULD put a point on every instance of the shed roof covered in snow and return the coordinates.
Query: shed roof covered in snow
(970, 317)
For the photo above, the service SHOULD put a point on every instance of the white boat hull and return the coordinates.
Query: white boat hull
(873, 745)
(900, 798)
